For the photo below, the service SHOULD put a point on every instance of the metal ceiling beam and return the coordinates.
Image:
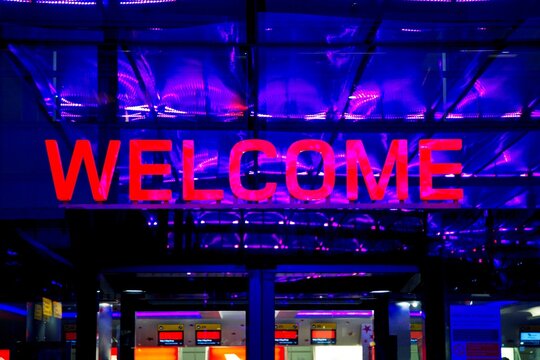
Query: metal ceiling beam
(355, 82)
(360, 268)
(514, 141)
(26, 75)
(164, 269)
(426, 45)
(404, 11)
(140, 80)
(482, 69)
(278, 124)
(370, 42)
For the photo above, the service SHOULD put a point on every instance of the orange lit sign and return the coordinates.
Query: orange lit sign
(238, 353)
(57, 309)
(286, 334)
(47, 307)
(156, 353)
(227, 353)
(323, 333)
(4, 354)
(356, 157)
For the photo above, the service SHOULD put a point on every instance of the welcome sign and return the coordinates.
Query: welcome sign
(357, 165)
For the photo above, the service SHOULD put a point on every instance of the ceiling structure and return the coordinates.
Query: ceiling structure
(220, 72)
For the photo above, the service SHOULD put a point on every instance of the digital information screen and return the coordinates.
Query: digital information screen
(208, 334)
(171, 335)
(323, 333)
(286, 334)
(529, 338)
(71, 336)
(70, 333)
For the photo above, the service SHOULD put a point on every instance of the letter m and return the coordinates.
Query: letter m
(82, 153)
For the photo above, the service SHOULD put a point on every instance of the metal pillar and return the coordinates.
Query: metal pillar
(87, 283)
(260, 316)
(385, 345)
(434, 306)
(105, 331)
(127, 326)
(87, 307)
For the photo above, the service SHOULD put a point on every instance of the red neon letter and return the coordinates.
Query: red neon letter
(82, 153)
(329, 169)
(188, 184)
(137, 170)
(397, 154)
(234, 170)
(428, 169)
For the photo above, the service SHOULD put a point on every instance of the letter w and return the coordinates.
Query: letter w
(82, 153)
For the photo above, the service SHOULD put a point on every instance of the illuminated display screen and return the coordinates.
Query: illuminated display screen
(171, 338)
(208, 337)
(323, 336)
(286, 337)
(529, 338)
(71, 336)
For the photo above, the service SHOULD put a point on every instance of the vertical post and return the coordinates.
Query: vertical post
(127, 326)
(435, 310)
(260, 316)
(108, 79)
(84, 233)
(400, 327)
(87, 308)
(104, 331)
(381, 330)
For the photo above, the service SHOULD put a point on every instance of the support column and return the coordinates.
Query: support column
(435, 306)
(127, 326)
(260, 315)
(385, 345)
(87, 308)
(105, 331)
(400, 327)
(84, 233)
(107, 58)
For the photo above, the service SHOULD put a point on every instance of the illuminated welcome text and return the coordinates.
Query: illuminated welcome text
(356, 159)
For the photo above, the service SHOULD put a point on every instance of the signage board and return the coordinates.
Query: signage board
(356, 163)
(207, 334)
(286, 334)
(323, 333)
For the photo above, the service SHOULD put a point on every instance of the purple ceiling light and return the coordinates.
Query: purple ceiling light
(174, 314)
(335, 313)
(143, 2)
(66, 2)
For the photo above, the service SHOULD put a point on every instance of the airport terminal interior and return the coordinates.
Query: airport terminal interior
(269, 179)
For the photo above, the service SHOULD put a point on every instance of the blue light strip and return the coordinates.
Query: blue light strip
(12, 309)
(73, 315)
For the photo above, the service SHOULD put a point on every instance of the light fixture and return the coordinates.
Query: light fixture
(380, 291)
(134, 291)
(335, 313)
(534, 311)
(173, 314)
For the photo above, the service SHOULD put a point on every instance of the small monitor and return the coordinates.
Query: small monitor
(71, 336)
(208, 337)
(208, 334)
(286, 337)
(323, 336)
(529, 338)
(171, 338)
